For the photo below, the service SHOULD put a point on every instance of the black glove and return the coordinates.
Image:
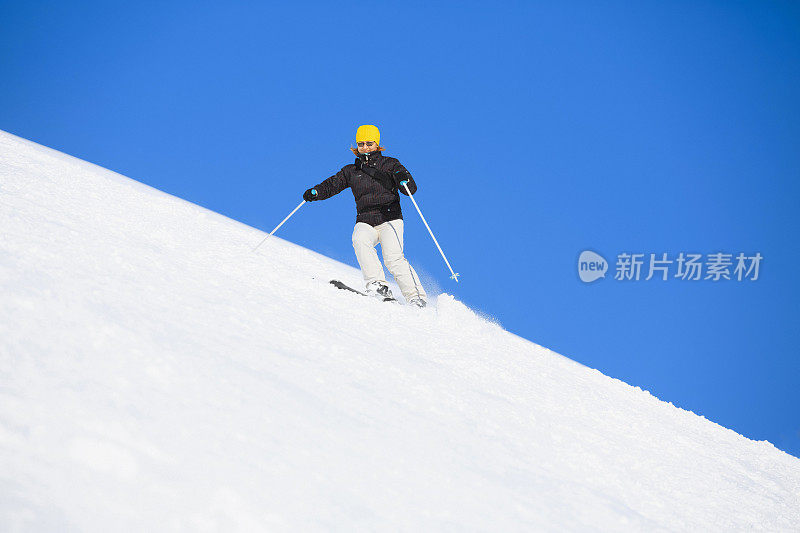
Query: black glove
(310, 195)
(358, 163)
(399, 177)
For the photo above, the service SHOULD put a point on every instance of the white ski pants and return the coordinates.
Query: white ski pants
(390, 235)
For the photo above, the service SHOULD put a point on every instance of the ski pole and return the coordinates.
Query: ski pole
(454, 275)
(279, 225)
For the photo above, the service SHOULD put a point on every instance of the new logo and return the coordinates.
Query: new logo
(591, 266)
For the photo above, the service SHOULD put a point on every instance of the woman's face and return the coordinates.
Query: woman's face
(366, 147)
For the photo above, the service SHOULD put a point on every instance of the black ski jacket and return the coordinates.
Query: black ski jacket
(375, 187)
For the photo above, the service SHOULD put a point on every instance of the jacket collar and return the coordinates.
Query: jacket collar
(371, 156)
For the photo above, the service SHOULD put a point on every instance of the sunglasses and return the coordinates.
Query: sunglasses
(368, 143)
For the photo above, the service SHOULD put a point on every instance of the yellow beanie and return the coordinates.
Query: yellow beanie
(368, 133)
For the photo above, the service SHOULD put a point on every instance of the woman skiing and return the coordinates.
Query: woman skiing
(375, 181)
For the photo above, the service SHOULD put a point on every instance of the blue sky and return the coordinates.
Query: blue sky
(534, 131)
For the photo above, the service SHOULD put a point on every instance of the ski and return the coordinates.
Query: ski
(339, 285)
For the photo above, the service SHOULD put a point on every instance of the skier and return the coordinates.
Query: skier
(375, 180)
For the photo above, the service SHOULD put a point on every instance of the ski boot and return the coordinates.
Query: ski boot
(378, 289)
(418, 302)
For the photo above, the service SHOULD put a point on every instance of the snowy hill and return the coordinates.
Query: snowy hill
(155, 375)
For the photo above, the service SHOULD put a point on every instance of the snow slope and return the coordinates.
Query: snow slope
(155, 375)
